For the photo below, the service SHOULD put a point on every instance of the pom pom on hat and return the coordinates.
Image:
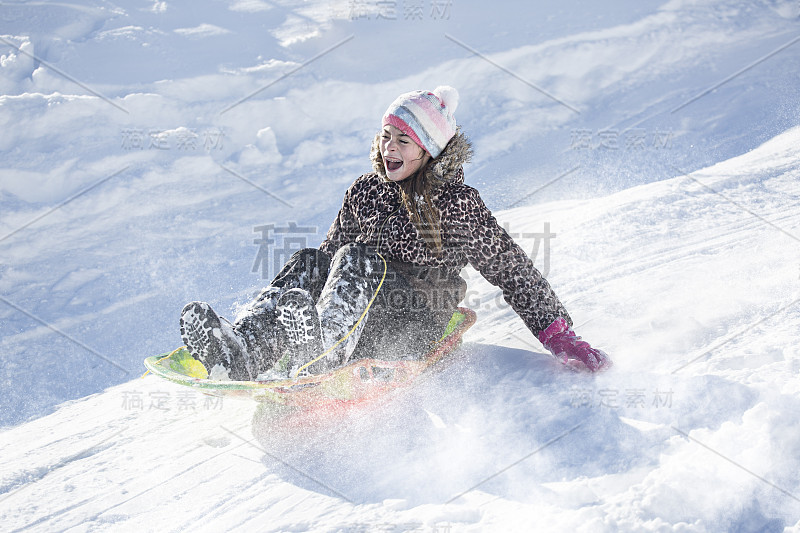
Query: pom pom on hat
(426, 117)
(449, 97)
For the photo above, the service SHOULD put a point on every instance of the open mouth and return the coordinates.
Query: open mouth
(391, 165)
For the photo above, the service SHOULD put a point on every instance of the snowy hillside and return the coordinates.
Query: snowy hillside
(645, 152)
(690, 282)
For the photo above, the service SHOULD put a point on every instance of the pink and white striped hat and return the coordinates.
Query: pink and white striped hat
(426, 117)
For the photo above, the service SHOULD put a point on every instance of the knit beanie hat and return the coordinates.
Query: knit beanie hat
(426, 117)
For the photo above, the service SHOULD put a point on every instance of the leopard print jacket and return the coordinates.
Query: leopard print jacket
(372, 213)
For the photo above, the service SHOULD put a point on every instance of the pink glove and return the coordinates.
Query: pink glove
(569, 349)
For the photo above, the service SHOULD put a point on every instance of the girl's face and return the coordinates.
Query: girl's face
(402, 157)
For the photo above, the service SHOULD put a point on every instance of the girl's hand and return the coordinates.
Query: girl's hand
(570, 350)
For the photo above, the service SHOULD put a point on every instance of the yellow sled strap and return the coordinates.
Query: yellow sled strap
(329, 350)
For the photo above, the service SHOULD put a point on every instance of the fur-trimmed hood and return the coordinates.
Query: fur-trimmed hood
(445, 168)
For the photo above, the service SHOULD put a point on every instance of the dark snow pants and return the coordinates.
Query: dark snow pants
(402, 322)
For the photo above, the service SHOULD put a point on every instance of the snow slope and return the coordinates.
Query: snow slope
(644, 152)
(691, 283)
(141, 148)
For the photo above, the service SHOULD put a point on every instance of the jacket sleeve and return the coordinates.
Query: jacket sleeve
(493, 253)
(344, 229)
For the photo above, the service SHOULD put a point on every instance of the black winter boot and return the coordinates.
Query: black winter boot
(245, 349)
(300, 331)
(257, 327)
(310, 330)
(258, 330)
(213, 341)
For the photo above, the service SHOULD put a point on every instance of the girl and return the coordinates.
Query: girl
(385, 280)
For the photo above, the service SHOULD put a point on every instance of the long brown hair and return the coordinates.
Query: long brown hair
(416, 192)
